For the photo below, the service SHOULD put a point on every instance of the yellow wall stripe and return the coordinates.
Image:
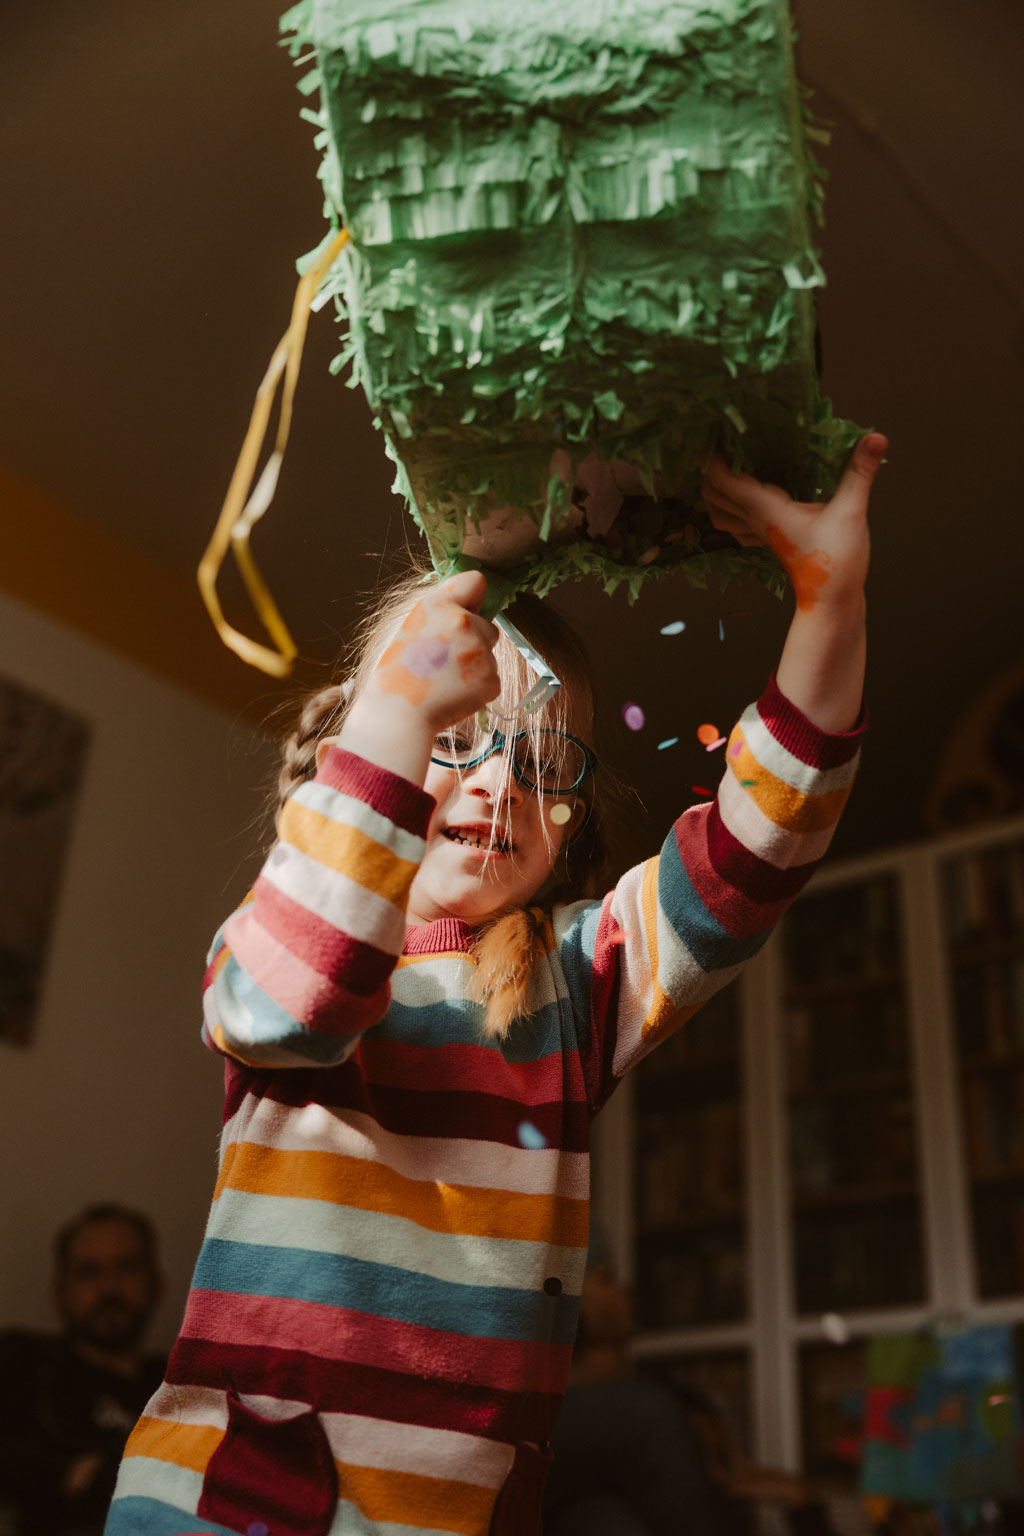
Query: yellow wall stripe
(69, 568)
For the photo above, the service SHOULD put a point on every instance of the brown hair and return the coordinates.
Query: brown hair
(507, 948)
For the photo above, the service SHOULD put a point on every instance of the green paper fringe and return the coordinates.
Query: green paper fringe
(587, 232)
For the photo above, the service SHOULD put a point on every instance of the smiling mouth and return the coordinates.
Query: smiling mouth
(488, 840)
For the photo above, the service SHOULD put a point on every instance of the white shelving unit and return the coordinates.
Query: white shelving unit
(943, 956)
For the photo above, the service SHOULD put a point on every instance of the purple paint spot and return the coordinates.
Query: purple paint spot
(425, 658)
(633, 716)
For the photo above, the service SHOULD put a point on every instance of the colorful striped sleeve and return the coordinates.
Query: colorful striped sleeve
(678, 928)
(304, 965)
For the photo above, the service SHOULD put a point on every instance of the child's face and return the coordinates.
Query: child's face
(471, 874)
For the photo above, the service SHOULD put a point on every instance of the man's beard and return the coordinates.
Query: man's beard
(115, 1326)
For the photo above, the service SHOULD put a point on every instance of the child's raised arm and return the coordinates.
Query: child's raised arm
(824, 548)
(304, 966)
(439, 668)
(676, 929)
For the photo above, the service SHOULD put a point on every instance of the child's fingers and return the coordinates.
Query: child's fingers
(467, 588)
(862, 467)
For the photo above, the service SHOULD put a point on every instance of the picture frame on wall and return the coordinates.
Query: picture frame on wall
(43, 752)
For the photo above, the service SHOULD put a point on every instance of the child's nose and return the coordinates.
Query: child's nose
(495, 780)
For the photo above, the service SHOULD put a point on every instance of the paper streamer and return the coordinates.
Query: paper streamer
(242, 509)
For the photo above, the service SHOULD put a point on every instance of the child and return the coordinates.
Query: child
(378, 1333)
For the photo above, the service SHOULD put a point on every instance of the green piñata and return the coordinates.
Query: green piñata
(580, 237)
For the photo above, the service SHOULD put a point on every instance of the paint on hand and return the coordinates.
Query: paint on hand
(808, 572)
(426, 657)
(471, 662)
(393, 676)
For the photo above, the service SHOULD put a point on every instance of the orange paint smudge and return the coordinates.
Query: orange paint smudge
(393, 677)
(414, 620)
(470, 663)
(808, 573)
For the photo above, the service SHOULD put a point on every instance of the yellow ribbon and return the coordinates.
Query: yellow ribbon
(239, 515)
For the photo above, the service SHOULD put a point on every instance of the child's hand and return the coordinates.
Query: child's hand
(823, 546)
(441, 661)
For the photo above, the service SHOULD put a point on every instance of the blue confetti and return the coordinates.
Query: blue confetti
(530, 1137)
(675, 628)
(721, 630)
(669, 743)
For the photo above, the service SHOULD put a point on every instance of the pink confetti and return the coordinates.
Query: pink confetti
(712, 746)
(634, 716)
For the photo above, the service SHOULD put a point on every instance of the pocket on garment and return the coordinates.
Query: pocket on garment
(517, 1508)
(279, 1473)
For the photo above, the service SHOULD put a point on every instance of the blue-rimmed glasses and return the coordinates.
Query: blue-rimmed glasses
(552, 761)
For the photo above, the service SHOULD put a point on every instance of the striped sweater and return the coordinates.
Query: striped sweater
(378, 1332)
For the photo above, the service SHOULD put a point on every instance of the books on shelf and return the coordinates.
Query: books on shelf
(984, 894)
(690, 1163)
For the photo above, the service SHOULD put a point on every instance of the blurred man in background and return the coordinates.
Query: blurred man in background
(69, 1401)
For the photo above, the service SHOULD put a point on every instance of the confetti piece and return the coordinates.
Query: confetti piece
(736, 748)
(671, 742)
(706, 734)
(560, 814)
(999, 1397)
(257, 1528)
(698, 789)
(748, 783)
(633, 716)
(835, 1328)
(721, 630)
(675, 628)
(712, 746)
(530, 1137)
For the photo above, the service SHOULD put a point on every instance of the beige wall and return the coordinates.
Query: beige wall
(116, 1098)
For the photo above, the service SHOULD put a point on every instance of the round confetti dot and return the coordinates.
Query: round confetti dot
(530, 1137)
(633, 716)
(834, 1328)
(560, 814)
(552, 1286)
(707, 734)
(671, 742)
(675, 628)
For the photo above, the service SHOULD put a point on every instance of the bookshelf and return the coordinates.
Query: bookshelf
(690, 1211)
(834, 1148)
(983, 911)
